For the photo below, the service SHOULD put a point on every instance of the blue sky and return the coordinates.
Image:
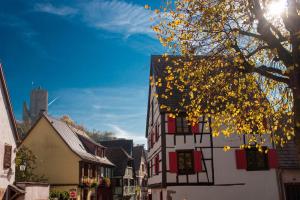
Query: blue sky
(93, 56)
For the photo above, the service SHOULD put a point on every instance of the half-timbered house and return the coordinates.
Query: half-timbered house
(186, 162)
(140, 167)
(123, 175)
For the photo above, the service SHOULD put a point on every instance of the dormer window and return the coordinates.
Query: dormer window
(100, 152)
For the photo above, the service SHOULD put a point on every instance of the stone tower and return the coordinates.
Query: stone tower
(38, 104)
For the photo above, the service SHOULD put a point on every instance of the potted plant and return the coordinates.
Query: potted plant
(94, 183)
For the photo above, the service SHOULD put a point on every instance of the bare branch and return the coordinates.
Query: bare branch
(257, 50)
(264, 28)
(271, 69)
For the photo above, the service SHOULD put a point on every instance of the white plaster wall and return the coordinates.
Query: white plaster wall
(141, 174)
(244, 192)
(257, 184)
(152, 152)
(36, 192)
(6, 137)
(155, 179)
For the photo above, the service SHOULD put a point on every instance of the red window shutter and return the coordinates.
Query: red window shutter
(272, 158)
(152, 139)
(241, 162)
(195, 128)
(149, 143)
(171, 125)
(173, 162)
(156, 133)
(7, 156)
(151, 167)
(157, 164)
(197, 161)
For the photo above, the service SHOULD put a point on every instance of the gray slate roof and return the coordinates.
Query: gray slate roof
(125, 144)
(82, 134)
(72, 140)
(158, 66)
(120, 158)
(138, 153)
(157, 70)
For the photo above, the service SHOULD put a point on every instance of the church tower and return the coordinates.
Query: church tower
(38, 104)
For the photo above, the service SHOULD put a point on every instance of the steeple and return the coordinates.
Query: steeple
(38, 105)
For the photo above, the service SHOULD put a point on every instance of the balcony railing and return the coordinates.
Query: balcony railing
(128, 172)
(129, 190)
(117, 190)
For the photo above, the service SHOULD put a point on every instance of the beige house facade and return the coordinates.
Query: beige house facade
(69, 159)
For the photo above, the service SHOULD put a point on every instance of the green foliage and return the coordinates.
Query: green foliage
(26, 158)
(94, 185)
(99, 136)
(59, 195)
(96, 135)
(23, 129)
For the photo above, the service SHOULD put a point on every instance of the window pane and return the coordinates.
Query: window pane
(185, 126)
(179, 124)
(188, 161)
(256, 160)
(181, 161)
(185, 162)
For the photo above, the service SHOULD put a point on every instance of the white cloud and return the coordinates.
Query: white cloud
(122, 133)
(49, 8)
(114, 16)
(118, 109)
(118, 16)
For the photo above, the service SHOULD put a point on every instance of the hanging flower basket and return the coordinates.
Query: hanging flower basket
(107, 182)
(94, 185)
(100, 181)
(86, 181)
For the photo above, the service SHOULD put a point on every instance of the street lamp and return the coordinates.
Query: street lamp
(23, 167)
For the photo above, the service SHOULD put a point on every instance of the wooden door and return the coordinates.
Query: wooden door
(292, 191)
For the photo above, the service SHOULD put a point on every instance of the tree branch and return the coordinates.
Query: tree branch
(272, 76)
(257, 50)
(272, 70)
(264, 29)
(262, 70)
(242, 32)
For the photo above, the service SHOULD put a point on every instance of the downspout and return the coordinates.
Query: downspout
(280, 184)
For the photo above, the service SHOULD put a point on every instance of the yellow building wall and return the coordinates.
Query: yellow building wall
(55, 159)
